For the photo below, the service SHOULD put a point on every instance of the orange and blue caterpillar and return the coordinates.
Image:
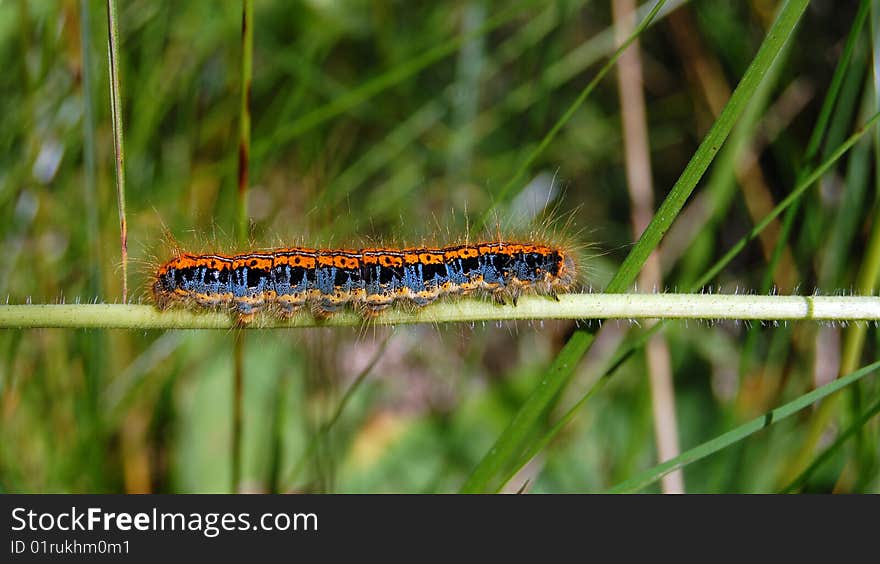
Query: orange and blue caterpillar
(284, 281)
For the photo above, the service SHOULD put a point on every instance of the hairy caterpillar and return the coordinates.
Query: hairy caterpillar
(283, 281)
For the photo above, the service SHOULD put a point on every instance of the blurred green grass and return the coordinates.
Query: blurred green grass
(126, 411)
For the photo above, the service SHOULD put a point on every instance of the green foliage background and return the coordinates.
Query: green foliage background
(405, 121)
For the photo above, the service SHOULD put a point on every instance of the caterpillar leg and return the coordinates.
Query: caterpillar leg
(248, 307)
(245, 319)
(286, 305)
(321, 311)
(425, 297)
(375, 303)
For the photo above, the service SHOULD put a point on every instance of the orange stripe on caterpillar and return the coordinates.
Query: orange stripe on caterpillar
(285, 280)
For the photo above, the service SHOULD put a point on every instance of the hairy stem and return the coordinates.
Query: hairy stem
(569, 306)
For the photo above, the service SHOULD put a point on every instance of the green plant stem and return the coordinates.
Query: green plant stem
(119, 147)
(569, 306)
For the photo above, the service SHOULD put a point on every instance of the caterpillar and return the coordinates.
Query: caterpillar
(284, 281)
